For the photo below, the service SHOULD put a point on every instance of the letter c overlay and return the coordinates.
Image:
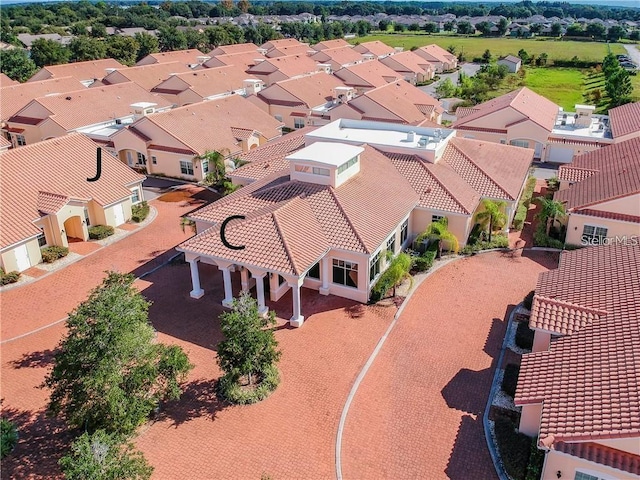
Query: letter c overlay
(222, 236)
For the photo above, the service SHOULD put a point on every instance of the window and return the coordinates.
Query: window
(154, 160)
(585, 476)
(345, 273)
(298, 122)
(205, 166)
(391, 244)
(186, 167)
(404, 231)
(135, 198)
(141, 159)
(520, 143)
(321, 171)
(503, 141)
(314, 272)
(347, 165)
(374, 265)
(20, 140)
(86, 217)
(436, 218)
(129, 158)
(42, 240)
(593, 235)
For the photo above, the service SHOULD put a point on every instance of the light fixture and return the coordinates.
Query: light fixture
(559, 474)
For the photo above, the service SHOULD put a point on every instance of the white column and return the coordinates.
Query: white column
(197, 291)
(228, 292)
(324, 275)
(297, 319)
(244, 279)
(262, 308)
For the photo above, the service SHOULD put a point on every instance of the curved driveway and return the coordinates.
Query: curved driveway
(418, 412)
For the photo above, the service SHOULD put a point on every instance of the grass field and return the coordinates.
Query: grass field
(475, 46)
(564, 86)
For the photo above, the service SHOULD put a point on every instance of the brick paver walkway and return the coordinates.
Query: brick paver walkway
(418, 412)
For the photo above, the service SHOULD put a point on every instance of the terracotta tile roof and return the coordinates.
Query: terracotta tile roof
(283, 42)
(94, 105)
(311, 90)
(4, 143)
(409, 61)
(208, 125)
(288, 51)
(289, 66)
(342, 55)
(617, 174)
(572, 174)
(524, 101)
(625, 119)
(5, 81)
(15, 97)
(148, 76)
(210, 81)
(436, 52)
(92, 69)
(376, 48)
(561, 317)
(187, 57)
(339, 212)
(49, 203)
(367, 74)
(242, 133)
(75, 158)
(589, 381)
(623, 217)
(462, 112)
(329, 44)
(231, 49)
(243, 60)
(601, 454)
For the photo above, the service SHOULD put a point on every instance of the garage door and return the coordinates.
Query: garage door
(559, 155)
(22, 258)
(118, 211)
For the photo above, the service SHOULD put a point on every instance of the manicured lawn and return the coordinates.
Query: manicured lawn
(564, 86)
(475, 46)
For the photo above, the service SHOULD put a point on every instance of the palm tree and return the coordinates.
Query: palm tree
(550, 210)
(439, 230)
(217, 170)
(492, 216)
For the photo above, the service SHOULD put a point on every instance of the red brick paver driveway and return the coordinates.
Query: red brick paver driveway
(418, 412)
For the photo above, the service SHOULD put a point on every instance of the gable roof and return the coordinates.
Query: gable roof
(409, 60)
(341, 55)
(615, 173)
(242, 60)
(236, 48)
(327, 44)
(147, 76)
(436, 52)
(186, 57)
(288, 51)
(289, 66)
(311, 90)
(15, 97)
(526, 102)
(512, 59)
(207, 82)
(370, 74)
(24, 190)
(5, 81)
(376, 48)
(625, 119)
(92, 69)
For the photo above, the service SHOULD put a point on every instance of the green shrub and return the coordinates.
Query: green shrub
(553, 184)
(541, 239)
(139, 212)
(230, 389)
(528, 300)
(476, 231)
(510, 379)
(498, 241)
(524, 336)
(9, 437)
(98, 232)
(523, 205)
(536, 462)
(514, 447)
(7, 278)
(395, 272)
(53, 253)
(423, 262)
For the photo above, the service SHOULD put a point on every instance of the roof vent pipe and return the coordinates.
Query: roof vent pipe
(411, 136)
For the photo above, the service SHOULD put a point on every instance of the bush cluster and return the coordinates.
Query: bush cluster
(536, 462)
(230, 389)
(524, 336)
(98, 232)
(541, 239)
(523, 205)
(53, 253)
(397, 269)
(498, 241)
(8, 437)
(515, 447)
(7, 278)
(510, 379)
(140, 211)
(423, 262)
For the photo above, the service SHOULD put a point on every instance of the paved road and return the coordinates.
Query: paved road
(544, 171)
(468, 68)
(634, 53)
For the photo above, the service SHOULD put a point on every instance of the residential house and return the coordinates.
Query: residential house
(147, 76)
(413, 68)
(337, 57)
(191, 57)
(46, 200)
(599, 205)
(272, 70)
(376, 49)
(398, 102)
(56, 115)
(357, 189)
(6, 81)
(367, 75)
(284, 47)
(27, 39)
(195, 86)
(233, 49)
(625, 121)
(331, 44)
(512, 62)
(85, 72)
(170, 142)
(441, 59)
(580, 386)
(525, 119)
(242, 60)
(294, 101)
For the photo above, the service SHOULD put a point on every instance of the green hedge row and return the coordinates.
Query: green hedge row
(524, 336)
(98, 232)
(510, 379)
(53, 253)
(523, 205)
(498, 241)
(423, 262)
(515, 447)
(140, 211)
(7, 278)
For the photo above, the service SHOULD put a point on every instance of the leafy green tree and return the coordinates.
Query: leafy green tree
(610, 64)
(448, 26)
(16, 64)
(523, 55)
(431, 27)
(414, 27)
(196, 39)
(122, 49)
(492, 216)
(541, 61)
(502, 25)
(108, 372)
(216, 169)
(87, 48)
(556, 29)
(596, 30)
(250, 346)
(147, 44)
(48, 52)
(8, 437)
(465, 28)
(550, 211)
(616, 32)
(484, 28)
(98, 30)
(618, 86)
(446, 89)
(399, 27)
(171, 39)
(104, 456)
(486, 56)
(383, 25)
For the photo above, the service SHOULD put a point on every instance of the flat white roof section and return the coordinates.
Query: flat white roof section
(584, 107)
(144, 105)
(326, 153)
